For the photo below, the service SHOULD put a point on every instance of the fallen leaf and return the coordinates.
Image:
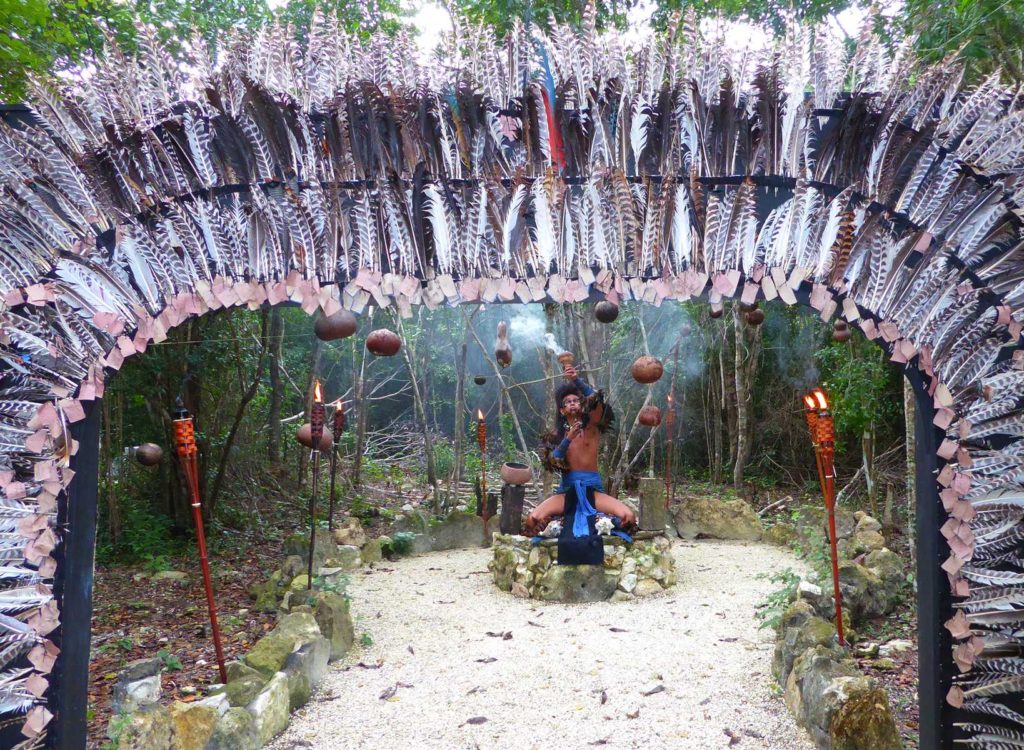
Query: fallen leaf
(378, 665)
(389, 693)
(604, 697)
(507, 636)
(535, 624)
(618, 630)
(602, 741)
(411, 650)
(474, 690)
(476, 720)
(655, 689)
(734, 739)
(487, 660)
(634, 715)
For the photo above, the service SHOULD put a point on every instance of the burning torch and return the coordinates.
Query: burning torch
(338, 427)
(823, 436)
(185, 441)
(316, 424)
(481, 439)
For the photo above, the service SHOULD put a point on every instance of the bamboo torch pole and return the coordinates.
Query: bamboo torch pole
(481, 439)
(316, 423)
(185, 440)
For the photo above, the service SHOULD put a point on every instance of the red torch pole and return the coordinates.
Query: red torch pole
(481, 439)
(185, 440)
(316, 423)
(338, 427)
(826, 436)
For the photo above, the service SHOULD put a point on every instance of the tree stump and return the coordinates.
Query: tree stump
(653, 514)
(512, 498)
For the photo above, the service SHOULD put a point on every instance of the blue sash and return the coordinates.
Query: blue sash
(581, 480)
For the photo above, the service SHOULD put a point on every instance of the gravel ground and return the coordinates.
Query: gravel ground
(463, 665)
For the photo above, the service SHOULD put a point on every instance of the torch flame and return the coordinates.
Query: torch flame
(318, 394)
(670, 398)
(480, 415)
(820, 397)
(809, 402)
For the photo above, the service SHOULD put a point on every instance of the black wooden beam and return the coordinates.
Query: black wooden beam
(76, 518)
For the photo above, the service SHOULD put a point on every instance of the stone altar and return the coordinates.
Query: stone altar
(530, 570)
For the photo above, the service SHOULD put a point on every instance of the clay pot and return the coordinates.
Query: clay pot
(479, 380)
(841, 332)
(647, 370)
(305, 437)
(650, 416)
(338, 326)
(606, 311)
(717, 310)
(149, 454)
(515, 473)
(383, 343)
(755, 317)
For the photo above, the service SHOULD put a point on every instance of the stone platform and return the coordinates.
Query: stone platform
(639, 569)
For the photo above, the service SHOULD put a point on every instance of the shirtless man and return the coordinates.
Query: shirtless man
(576, 455)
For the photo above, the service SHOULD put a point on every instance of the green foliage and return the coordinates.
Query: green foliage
(444, 458)
(171, 662)
(508, 437)
(770, 611)
(864, 390)
(401, 543)
(365, 640)
(336, 585)
(118, 725)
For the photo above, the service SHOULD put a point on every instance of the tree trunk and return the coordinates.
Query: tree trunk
(276, 391)
(314, 368)
(247, 396)
(459, 418)
(362, 416)
(550, 408)
(727, 362)
(409, 355)
(113, 508)
(748, 351)
(867, 444)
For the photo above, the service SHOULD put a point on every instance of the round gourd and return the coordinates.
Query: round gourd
(383, 343)
(606, 311)
(305, 437)
(338, 326)
(647, 370)
(650, 416)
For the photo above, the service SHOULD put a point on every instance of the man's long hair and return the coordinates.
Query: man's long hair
(562, 427)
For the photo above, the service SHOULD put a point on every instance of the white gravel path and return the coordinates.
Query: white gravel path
(569, 677)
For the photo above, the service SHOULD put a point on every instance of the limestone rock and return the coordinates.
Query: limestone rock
(864, 720)
(350, 532)
(889, 566)
(576, 583)
(323, 550)
(892, 648)
(174, 576)
(270, 709)
(796, 640)
(193, 725)
(814, 688)
(627, 583)
(622, 596)
(334, 619)
(270, 652)
(346, 557)
(244, 683)
(866, 522)
(137, 685)
(653, 515)
(148, 728)
(646, 587)
(865, 595)
(411, 521)
(458, 531)
(236, 730)
(781, 534)
(371, 551)
(304, 669)
(218, 702)
(299, 583)
(293, 566)
(717, 519)
(862, 542)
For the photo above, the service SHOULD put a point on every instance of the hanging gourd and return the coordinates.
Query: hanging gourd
(650, 416)
(305, 437)
(479, 379)
(502, 348)
(149, 454)
(383, 343)
(755, 317)
(717, 310)
(606, 312)
(338, 326)
(647, 370)
(841, 331)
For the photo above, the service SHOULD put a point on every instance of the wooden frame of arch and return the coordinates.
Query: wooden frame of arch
(544, 166)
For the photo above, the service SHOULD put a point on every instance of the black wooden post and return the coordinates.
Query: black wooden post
(512, 498)
(934, 643)
(76, 519)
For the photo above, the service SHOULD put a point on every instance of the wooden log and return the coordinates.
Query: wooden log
(653, 514)
(512, 498)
